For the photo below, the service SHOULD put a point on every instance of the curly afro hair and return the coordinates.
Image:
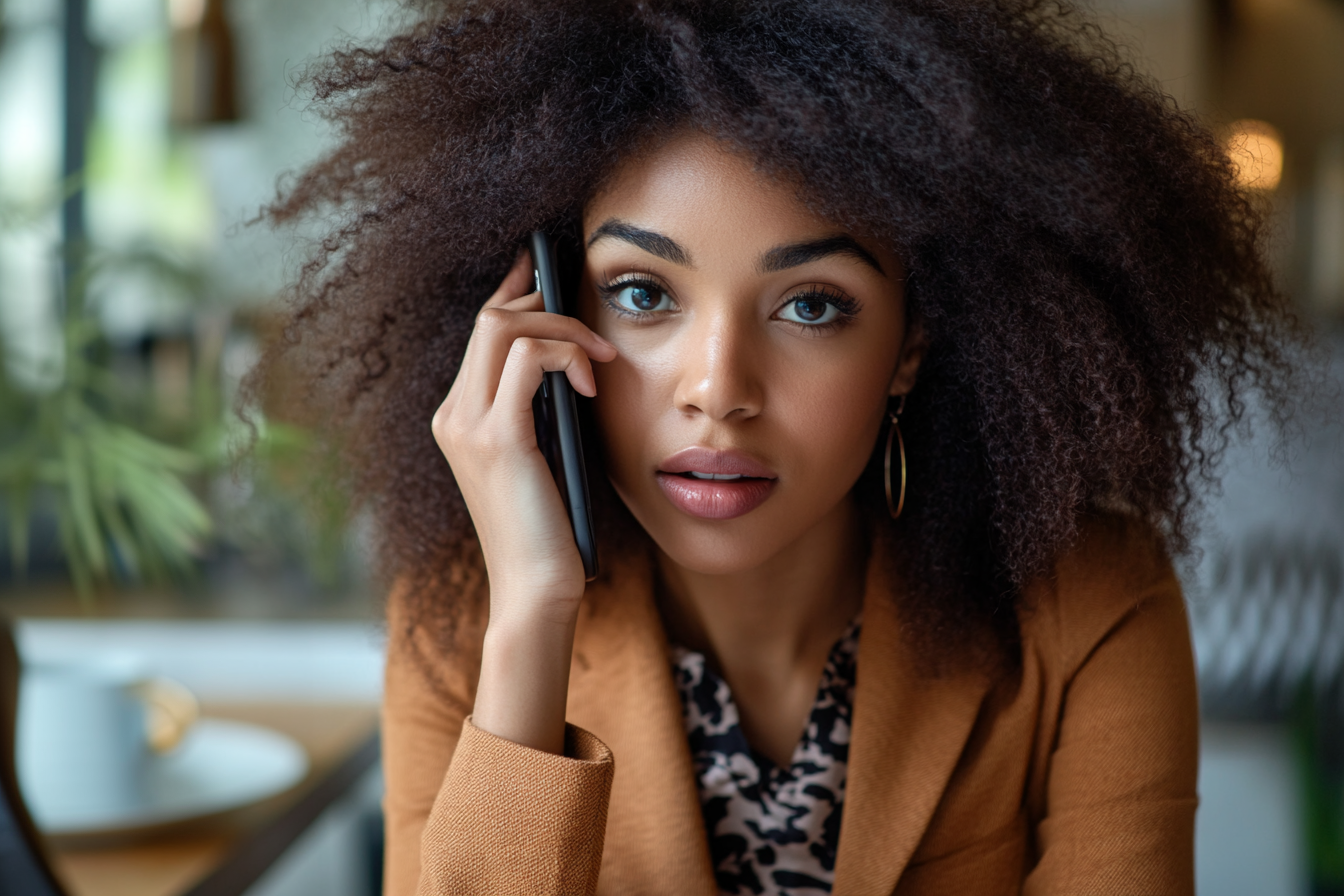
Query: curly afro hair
(1087, 272)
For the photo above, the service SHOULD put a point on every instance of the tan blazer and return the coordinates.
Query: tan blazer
(1074, 775)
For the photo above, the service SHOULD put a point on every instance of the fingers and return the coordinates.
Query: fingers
(530, 302)
(518, 282)
(529, 359)
(498, 329)
(513, 343)
(464, 425)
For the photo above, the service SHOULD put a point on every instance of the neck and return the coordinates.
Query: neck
(779, 615)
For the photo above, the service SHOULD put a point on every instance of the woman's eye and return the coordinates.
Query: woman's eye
(809, 310)
(642, 299)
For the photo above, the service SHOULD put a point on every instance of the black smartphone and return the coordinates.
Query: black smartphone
(556, 415)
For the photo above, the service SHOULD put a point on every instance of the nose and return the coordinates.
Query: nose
(719, 372)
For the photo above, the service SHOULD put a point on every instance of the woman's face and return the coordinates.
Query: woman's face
(758, 346)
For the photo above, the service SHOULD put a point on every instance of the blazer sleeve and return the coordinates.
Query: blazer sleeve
(467, 812)
(1121, 788)
(511, 819)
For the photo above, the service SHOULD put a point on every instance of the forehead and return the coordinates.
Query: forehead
(705, 195)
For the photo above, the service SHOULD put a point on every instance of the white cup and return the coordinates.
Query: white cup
(87, 730)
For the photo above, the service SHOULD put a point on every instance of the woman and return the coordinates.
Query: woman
(909, 327)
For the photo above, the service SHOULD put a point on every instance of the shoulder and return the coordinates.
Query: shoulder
(1119, 569)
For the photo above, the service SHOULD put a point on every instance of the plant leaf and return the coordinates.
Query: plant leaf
(78, 502)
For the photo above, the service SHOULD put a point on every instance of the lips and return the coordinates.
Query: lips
(715, 485)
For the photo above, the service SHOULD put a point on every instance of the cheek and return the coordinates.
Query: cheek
(629, 400)
(833, 417)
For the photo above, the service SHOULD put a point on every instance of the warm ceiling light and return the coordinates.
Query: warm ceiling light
(1256, 151)
(186, 13)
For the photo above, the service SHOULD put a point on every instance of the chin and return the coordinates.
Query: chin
(715, 553)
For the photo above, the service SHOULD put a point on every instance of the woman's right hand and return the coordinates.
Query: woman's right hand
(486, 432)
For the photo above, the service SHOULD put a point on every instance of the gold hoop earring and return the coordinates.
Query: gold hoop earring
(894, 434)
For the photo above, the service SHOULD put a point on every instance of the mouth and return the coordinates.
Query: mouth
(716, 477)
(715, 485)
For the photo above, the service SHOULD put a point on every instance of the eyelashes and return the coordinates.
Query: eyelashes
(820, 307)
(814, 309)
(635, 296)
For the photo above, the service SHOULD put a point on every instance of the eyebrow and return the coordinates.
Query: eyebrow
(793, 255)
(780, 258)
(664, 247)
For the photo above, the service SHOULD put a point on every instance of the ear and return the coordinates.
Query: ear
(912, 353)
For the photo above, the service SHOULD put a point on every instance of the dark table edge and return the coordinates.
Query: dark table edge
(255, 855)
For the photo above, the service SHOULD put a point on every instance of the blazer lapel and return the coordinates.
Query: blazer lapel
(909, 731)
(621, 689)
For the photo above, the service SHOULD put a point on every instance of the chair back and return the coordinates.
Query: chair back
(24, 870)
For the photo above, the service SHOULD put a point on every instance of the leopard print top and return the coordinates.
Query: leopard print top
(772, 830)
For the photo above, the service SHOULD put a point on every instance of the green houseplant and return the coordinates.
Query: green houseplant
(76, 444)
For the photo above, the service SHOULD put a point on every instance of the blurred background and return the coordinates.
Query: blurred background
(137, 140)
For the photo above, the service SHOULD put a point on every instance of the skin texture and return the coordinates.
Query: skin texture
(484, 428)
(729, 359)
(764, 595)
(1088, 274)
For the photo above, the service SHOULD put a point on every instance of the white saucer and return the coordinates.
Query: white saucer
(219, 765)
